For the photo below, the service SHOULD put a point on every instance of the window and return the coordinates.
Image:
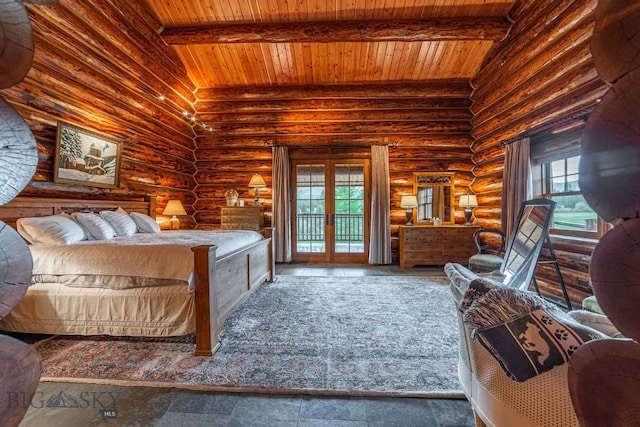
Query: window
(557, 179)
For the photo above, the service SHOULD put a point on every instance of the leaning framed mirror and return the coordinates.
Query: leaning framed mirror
(526, 242)
(435, 193)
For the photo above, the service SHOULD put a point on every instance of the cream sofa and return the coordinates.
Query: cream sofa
(497, 400)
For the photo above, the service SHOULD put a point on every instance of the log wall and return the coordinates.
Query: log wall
(540, 77)
(101, 66)
(428, 126)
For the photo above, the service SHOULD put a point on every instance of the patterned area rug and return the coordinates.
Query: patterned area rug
(373, 335)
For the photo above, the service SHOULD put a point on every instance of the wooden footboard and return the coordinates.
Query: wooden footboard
(222, 284)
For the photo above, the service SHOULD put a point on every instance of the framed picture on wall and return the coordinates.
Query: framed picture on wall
(85, 157)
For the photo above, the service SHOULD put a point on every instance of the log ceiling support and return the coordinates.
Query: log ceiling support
(462, 28)
(449, 88)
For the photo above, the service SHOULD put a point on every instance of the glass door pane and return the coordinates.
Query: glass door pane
(349, 201)
(310, 208)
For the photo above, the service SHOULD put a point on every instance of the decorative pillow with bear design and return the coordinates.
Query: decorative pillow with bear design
(534, 342)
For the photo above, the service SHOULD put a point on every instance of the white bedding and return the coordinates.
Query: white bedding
(144, 259)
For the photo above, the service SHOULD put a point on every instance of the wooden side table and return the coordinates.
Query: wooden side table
(242, 218)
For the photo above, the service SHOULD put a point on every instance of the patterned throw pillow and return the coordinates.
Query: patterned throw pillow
(535, 342)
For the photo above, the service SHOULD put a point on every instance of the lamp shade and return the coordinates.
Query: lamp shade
(257, 181)
(409, 202)
(468, 201)
(174, 207)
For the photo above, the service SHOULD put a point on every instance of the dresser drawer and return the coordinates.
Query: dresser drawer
(461, 257)
(458, 234)
(413, 246)
(435, 245)
(422, 234)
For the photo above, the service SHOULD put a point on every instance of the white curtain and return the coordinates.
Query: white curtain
(281, 204)
(517, 184)
(380, 241)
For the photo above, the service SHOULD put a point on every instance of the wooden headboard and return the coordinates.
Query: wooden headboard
(23, 207)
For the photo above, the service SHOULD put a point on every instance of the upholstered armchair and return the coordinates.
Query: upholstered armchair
(497, 399)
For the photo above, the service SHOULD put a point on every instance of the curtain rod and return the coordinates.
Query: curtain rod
(516, 139)
(330, 145)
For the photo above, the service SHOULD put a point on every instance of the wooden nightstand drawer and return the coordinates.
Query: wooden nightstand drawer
(242, 218)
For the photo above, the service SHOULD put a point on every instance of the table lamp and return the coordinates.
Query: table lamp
(257, 182)
(409, 202)
(173, 208)
(468, 201)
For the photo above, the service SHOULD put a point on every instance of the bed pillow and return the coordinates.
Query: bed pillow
(524, 333)
(145, 223)
(120, 221)
(50, 230)
(96, 227)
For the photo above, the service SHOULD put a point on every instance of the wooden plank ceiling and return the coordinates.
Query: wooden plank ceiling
(360, 65)
(235, 43)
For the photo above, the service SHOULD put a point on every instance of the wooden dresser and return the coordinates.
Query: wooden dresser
(242, 218)
(431, 245)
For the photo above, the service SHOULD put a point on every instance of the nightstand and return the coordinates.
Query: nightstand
(242, 218)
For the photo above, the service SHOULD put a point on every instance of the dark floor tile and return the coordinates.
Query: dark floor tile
(406, 412)
(328, 408)
(306, 422)
(265, 411)
(260, 422)
(452, 412)
(203, 402)
(181, 419)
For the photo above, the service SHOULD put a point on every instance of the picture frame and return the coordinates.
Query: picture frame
(85, 157)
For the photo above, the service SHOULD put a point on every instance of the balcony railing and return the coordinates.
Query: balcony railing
(348, 227)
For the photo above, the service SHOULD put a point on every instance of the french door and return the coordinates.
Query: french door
(330, 218)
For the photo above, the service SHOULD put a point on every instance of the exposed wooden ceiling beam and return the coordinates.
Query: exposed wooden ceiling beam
(462, 28)
(453, 88)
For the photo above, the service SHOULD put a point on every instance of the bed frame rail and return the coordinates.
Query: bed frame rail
(221, 285)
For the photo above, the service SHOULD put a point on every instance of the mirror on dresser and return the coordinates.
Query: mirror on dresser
(434, 191)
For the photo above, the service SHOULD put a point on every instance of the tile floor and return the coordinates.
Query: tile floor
(109, 405)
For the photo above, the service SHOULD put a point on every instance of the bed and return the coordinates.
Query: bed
(198, 278)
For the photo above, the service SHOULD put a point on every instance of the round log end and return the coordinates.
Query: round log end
(604, 383)
(610, 156)
(16, 266)
(615, 276)
(20, 370)
(615, 43)
(16, 43)
(18, 153)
